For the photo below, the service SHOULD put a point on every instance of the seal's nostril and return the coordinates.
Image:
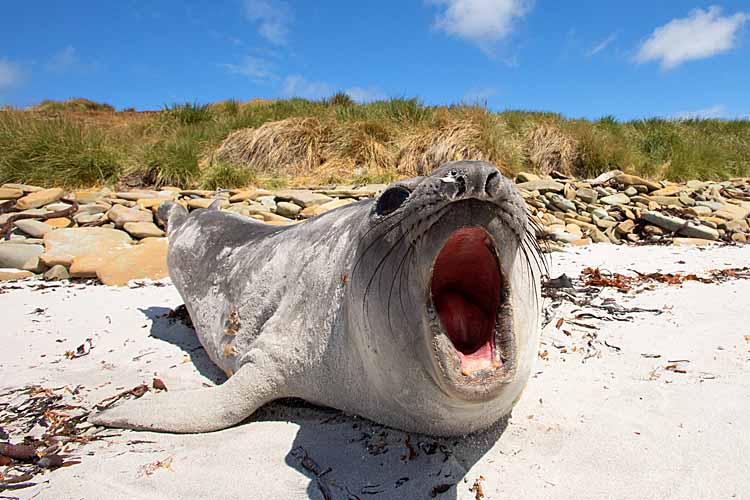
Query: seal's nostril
(460, 186)
(492, 183)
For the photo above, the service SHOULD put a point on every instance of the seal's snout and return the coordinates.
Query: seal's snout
(472, 180)
(467, 292)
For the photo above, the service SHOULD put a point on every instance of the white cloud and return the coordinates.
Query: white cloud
(602, 45)
(10, 74)
(254, 68)
(478, 95)
(480, 21)
(367, 94)
(63, 59)
(299, 86)
(718, 111)
(702, 34)
(273, 17)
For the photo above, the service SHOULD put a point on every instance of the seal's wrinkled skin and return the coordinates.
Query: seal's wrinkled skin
(419, 310)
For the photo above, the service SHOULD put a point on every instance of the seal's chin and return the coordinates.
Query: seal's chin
(467, 292)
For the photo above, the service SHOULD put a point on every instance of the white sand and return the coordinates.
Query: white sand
(617, 425)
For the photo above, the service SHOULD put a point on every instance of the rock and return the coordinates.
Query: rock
(58, 222)
(699, 211)
(625, 227)
(731, 212)
(205, 203)
(326, 207)
(664, 221)
(630, 191)
(563, 204)
(543, 186)
(88, 218)
(35, 265)
(713, 205)
(581, 242)
(562, 235)
(272, 217)
(15, 255)
(149, 203)
(736, 225)
(287, 209)
(268, 202)
(573, 228)
(58, 272)
(687, 242)
(287, 222)
(141, 195)
(89, 196)
(598, 236)
(739, 238)
(10, 194)
(667, 201)
(148, 260)
(686, 200)
(201, 193)
(303, 197)
(372, 189)
(249, 194)
(615, 199)
(57, 206)
(668, 191)
(34, 228)
(700, 231)
(653, 230)
(143, 230)
(23, 187)
(681, 226)
(633, 180)
(587, 195)
(93, 208)
(14, 274)
(120, 215)
(39, 198)
(526, 177)
(65, 245)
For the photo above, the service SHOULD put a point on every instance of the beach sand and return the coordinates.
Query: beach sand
(597, 420)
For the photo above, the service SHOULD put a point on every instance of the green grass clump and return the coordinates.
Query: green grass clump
(226, 176)
(54, 152)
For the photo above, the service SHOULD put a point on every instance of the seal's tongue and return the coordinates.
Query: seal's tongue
(466, 293)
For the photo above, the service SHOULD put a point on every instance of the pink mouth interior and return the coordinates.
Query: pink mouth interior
(466, 292)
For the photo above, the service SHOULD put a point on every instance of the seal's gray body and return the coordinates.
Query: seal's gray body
(334, 311)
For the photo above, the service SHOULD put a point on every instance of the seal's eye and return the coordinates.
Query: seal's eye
(391, 199)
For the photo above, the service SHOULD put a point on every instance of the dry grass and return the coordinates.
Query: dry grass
(548, 148)
(287, 147)
(425, 149)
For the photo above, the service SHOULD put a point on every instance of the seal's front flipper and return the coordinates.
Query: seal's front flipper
(201, 410)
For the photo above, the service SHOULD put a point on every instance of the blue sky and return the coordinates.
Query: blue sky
(582, 59)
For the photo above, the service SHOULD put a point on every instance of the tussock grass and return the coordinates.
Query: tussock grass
(548, 149)
(336, 140)
(54, 151)
(74, 104)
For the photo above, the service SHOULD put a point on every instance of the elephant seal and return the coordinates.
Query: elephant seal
(418, 310)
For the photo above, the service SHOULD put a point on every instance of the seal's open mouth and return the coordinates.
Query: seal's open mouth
(467, 293)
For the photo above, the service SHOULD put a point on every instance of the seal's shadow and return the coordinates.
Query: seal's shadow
(346, 457)
(176, 332)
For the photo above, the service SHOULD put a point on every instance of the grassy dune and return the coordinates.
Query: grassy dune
(296, 141)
